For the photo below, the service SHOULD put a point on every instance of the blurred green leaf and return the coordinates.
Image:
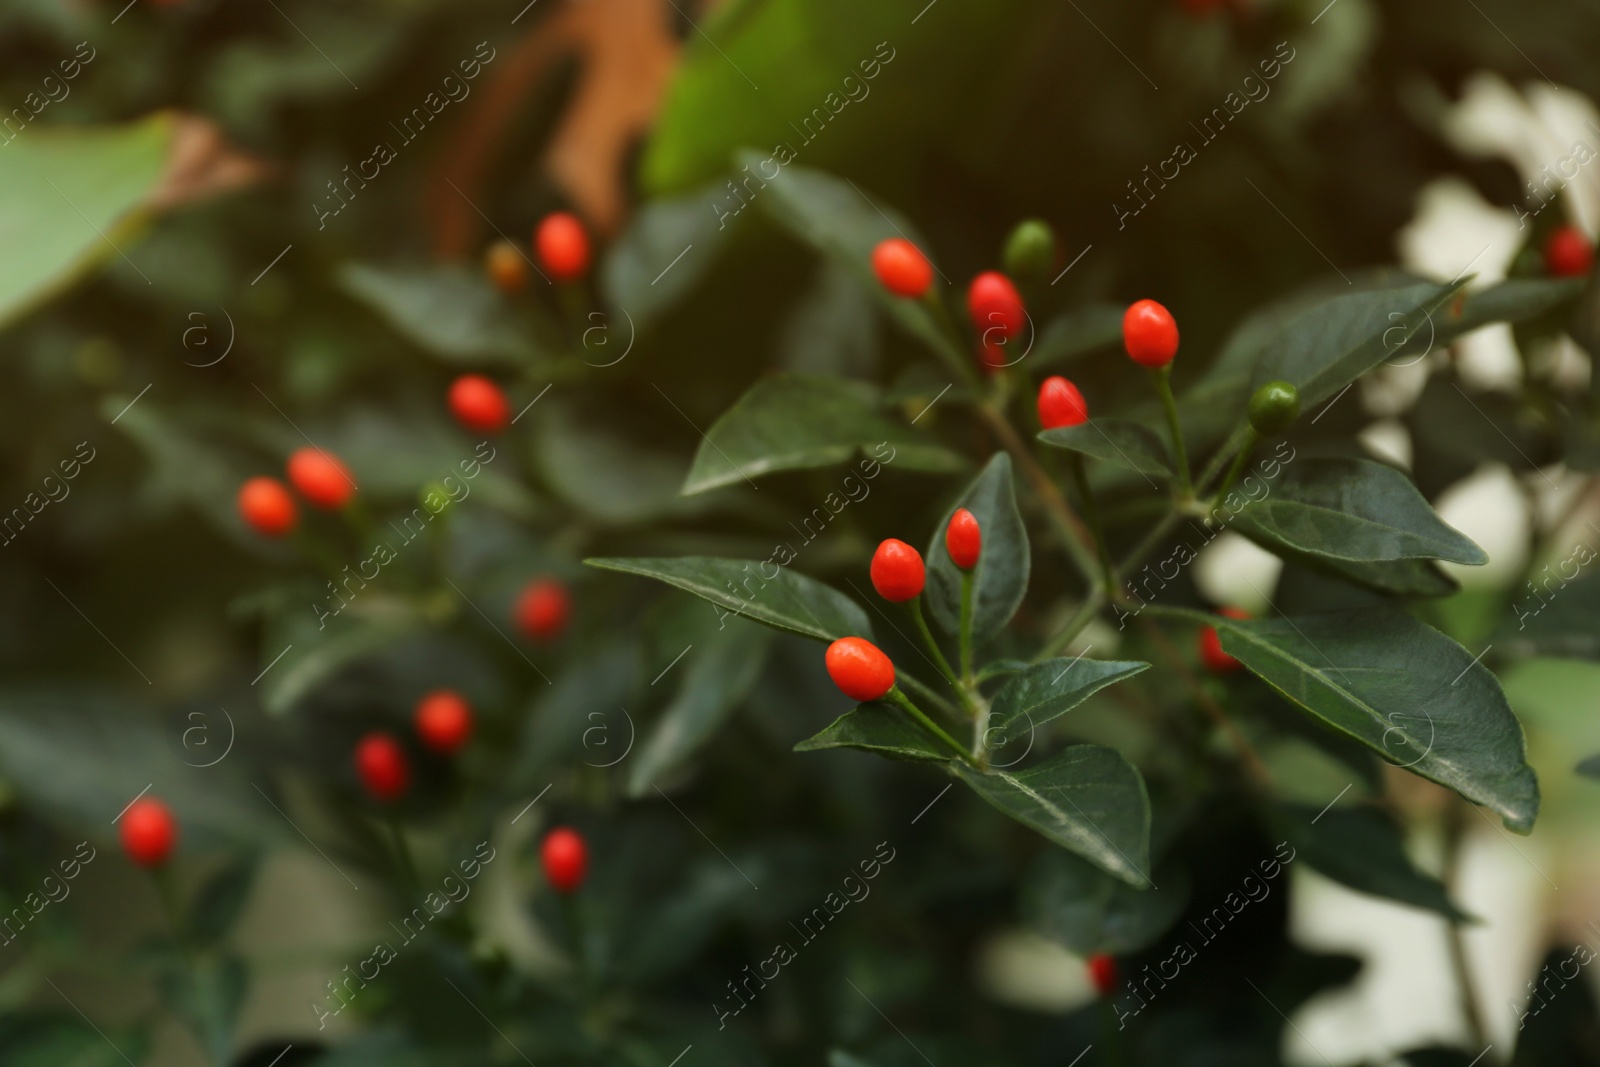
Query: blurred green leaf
(448, 311)
(1077, 332)
(669, 247)
(715, 680)
(1046, 691)
(73, 197)
(1087, 910)
(1362, 847)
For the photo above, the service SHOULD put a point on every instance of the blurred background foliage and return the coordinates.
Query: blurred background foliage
(180, 300)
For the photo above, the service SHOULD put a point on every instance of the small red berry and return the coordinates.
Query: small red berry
(1061, 404)
(444, 720)
(1103, 973)
(897, 571)
(1217, 661)
(479, 404)
(507, 267)
(563, 246)
(902, 268)
(542, 609)
(1568, 253)
(565, 858)
(963, 540)
(859, 668)
(267, 506)
(382, 766)
(1149, 333)
(995, 307)
(321, 478)
(148, 832)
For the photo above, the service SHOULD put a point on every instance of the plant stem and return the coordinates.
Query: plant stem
(902, 701)
(952, 354)
(1092, 516)
(1251, 439)
(1229, 447)
(927, 693)
(966, 628)
(1454, 828)
(1255, 767)
(1163, 380)
(933, 646)
(1067, 526)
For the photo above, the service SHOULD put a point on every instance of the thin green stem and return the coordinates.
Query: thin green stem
(915, 607)
(966, 627)
(1220, 458)
(402, 853)
(900, 700)
(1067, 526)
(927, 693)
(1163, 380)
(1091, 515)
(1239, 463)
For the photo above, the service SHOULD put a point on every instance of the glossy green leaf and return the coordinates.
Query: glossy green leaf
(1119, 442)
(1326, 348)
(792, 422)
(717, 676)
(843, 224)
(1077, 332)
(786, 601)
(1402, 688)
(1512, 300)
(73, 198)
(1351, 509)
(1000, 579)
(879, 728)
(1048, 690)
(1396, 577)
(1362, 847)
(1088, 799)
(1076, 903)
(449, 311)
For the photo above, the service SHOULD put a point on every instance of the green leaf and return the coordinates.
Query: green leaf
(1556, 618)
(1088, 799)
(786, 601)
(1362, 848)
(1398, 577)
(73, 196)
(1000, 579)
(878, 728)
(1352, 509)
(833, 329)
(207, 994)
(1088, 911)
(668, 248)
(1326, 348)
(51, 1039)
(841, 223)
(449, 311)
(715, 680)
(1512, 300)
(218, 903)
(1048, 690)
(1120, 442)
(1402, 688)
(792, 422)
(610, 473)
(1077, 332)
